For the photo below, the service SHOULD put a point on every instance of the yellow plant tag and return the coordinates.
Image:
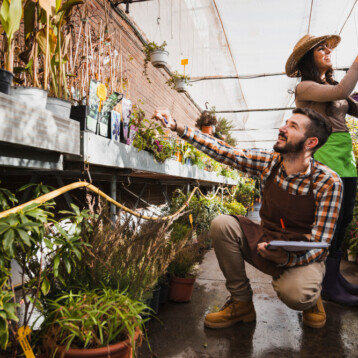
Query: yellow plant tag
(191, 219)
(184, 61)
(102, 94)
(22, 332)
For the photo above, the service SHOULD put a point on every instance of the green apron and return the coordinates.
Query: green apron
(337, 154)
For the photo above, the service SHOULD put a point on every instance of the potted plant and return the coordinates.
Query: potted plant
(178, 81)
(93, 323)
(36, 30)
(223, 131)
(58, 100)
(156, 54)
(10, 16)
(183, 270)
(207, 121)
(149, 136)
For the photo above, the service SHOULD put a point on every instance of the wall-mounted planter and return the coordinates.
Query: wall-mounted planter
(58, 106)
(31, 96)
(181, 86)
(5, 81)
(159, 58)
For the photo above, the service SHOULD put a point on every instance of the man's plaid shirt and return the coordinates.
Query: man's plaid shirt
(327, 186)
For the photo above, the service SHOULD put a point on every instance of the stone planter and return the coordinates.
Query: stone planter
(159, 58)
(58, 106)
(30, 96)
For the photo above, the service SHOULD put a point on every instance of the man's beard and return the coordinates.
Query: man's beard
(290, 147)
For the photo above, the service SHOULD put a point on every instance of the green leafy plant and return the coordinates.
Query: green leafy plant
(92, 319)
(176, 77)
(150, 136)
(245, 192)
(223, 131)
(235, 208)
(10, 16)
(185, 262)
(148, 49)
(40, 245)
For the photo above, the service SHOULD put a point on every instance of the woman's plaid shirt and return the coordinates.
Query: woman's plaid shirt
(327, 186)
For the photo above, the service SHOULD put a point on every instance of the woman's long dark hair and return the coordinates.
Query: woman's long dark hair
(309, 72)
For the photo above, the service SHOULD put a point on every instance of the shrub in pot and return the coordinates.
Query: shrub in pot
(207, 121)
(80, 324)
(183, 269)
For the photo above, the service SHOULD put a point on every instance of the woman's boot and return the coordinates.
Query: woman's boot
(332, 288)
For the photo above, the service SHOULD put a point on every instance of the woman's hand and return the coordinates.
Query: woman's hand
(279, 256)
(164, 116)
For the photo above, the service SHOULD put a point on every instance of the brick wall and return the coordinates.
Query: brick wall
(155, 94)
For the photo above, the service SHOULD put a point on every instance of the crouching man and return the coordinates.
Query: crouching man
(300, 202)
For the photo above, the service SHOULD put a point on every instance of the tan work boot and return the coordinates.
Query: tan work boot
(315, 316)
(230, 314)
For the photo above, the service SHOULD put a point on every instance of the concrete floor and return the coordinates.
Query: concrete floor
(278, 331)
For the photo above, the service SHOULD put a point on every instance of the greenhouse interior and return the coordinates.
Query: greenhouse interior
(178, 178)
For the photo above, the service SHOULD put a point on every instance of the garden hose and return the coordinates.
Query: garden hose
(57, 192)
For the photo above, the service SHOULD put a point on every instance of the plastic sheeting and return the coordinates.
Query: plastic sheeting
(247, 39)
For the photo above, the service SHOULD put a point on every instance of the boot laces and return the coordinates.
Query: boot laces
(228, 302)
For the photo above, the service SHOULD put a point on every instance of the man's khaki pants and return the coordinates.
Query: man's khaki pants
(298, 287)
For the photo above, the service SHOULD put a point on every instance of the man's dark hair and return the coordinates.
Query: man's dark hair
(319, 126)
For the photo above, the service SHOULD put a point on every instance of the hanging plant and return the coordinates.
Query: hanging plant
(178, 81)
(207, 121)
(156, 54)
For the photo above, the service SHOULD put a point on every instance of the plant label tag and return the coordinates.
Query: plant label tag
(191, 219)
(23, 331)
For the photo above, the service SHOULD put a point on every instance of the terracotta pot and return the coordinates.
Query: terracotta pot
(207, 129)
(181, 289)
(118, 350)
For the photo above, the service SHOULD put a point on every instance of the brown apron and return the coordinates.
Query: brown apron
(296, 211)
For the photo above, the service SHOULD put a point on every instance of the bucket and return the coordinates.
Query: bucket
(159, 58)
(5, 81)
(31, 96)
(58, 106)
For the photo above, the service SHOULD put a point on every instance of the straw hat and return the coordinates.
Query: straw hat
(305, 44)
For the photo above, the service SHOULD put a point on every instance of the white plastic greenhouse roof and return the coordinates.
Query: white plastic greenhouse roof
(245, 38)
